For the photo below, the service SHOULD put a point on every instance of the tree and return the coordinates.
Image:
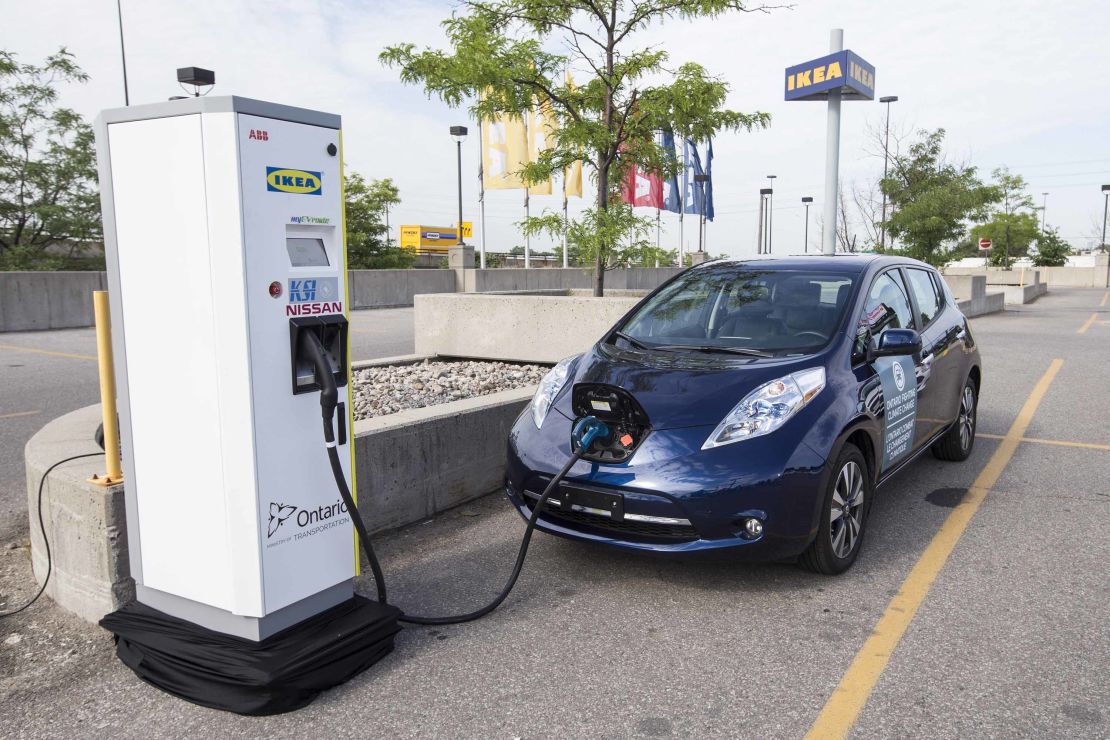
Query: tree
(365, 204)
(1013, 224)
(932, 199)
(1052, 250)
(49, 202)
(619, 239)
(502, 60)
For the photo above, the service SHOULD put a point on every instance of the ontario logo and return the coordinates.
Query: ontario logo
(298, 182)
(302, 522)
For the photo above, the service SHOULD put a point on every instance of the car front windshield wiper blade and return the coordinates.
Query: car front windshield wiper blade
(632, 340)
(712, 348)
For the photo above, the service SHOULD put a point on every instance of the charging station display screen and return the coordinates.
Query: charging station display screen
(306, 252)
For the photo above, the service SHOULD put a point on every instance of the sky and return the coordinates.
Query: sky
(1019, 83)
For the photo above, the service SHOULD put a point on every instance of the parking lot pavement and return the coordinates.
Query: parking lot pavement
(1008, 640)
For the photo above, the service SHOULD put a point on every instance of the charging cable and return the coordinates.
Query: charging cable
(586, 430)
(45, 540)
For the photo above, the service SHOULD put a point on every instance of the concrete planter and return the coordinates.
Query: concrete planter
(409, 467)
(515, 328)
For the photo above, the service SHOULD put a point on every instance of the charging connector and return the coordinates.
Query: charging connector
(586, 431)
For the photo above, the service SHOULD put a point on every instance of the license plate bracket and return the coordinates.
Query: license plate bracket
(594, 502)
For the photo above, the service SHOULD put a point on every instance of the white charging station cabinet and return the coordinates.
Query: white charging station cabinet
(224, 237)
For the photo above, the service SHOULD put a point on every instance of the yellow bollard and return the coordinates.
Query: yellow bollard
(107, 391)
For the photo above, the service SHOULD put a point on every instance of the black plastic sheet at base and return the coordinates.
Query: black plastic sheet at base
(279, 674)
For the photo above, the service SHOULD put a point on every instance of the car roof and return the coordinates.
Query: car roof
(851, 263)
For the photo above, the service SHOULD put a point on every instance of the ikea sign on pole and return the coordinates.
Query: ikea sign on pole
(844, 70)
(839, 75)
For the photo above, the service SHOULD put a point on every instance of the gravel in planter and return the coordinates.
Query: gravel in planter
(387, 389)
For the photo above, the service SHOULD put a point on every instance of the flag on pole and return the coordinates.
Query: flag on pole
(504, 153)
(541, 125)
(671, 196)
(699, 196)
(642, 188)
(572, 176)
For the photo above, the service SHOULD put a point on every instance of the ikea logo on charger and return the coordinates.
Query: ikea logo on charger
(298, 182)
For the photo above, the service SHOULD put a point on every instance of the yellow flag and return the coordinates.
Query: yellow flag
(541, 125)
(572, 176)
(504, 153)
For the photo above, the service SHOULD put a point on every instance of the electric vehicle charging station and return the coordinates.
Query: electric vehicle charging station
(224, 240)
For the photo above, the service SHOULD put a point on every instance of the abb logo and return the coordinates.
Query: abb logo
(259, 135)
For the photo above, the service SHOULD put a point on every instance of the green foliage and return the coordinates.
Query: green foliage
(616, 233)
(49, 202)
(501, 61)
(1012, 227)
(932, 199)
(1052, 250)
(365, 204)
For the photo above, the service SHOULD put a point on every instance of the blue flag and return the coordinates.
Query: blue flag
(671, 195)
(699, 196)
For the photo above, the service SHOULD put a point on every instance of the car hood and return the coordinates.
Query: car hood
(679, 389)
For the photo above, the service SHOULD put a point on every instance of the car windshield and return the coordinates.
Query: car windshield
(742, 310)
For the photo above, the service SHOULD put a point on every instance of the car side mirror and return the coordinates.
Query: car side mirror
(896, 342)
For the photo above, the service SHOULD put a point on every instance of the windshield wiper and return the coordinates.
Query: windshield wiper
(713, 348)
(632, 340)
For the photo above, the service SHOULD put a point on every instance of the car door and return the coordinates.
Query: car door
(887, 305)
(938, 360)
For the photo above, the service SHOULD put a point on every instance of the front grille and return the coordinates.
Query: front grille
(643, 530)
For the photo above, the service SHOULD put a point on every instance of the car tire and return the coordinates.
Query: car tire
(957, 442)
(844, 513)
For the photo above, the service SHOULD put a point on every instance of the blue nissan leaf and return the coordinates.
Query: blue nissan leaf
(755, 405)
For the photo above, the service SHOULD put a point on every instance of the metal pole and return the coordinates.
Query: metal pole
(770, 211)
(658, 233)
(566, 259)
(759, 229)
(122, 55)
(1105, 203)
(459, 225)
(806, 242)
(886, 160)
(387, 226)
(527, 234)
(832, 156)
(107, 390)
(1044, 208)
(682, 211)
(482, 193)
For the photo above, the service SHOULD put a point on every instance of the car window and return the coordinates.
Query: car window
(887, 307)
(738, 307)
(928, 302)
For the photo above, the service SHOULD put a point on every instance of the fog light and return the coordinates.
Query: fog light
(753, 527)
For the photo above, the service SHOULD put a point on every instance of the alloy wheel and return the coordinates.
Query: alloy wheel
(846, 511)
(967, 417)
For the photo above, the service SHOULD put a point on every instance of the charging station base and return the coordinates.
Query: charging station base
(279, 674)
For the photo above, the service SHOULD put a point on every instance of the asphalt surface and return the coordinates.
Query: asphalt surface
(1010, 641)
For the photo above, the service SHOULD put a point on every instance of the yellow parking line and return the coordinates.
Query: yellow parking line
(1104, 297)
(1059, 442)
(18, 414)
(850, 696)
(16, 348)
(1087, 324)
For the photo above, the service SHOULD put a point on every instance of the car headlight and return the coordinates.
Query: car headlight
(550, 386)
(768, 407)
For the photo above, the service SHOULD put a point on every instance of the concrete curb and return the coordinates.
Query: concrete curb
(410, 466)
(86, 523)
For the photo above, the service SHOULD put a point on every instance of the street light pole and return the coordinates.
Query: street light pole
(459, 132)
(1044, 209)
(122, 54)
(770, 209)
(806, 200)
(888, 99)
(1105, 203)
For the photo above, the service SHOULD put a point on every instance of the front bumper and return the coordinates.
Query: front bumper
(677, 497)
